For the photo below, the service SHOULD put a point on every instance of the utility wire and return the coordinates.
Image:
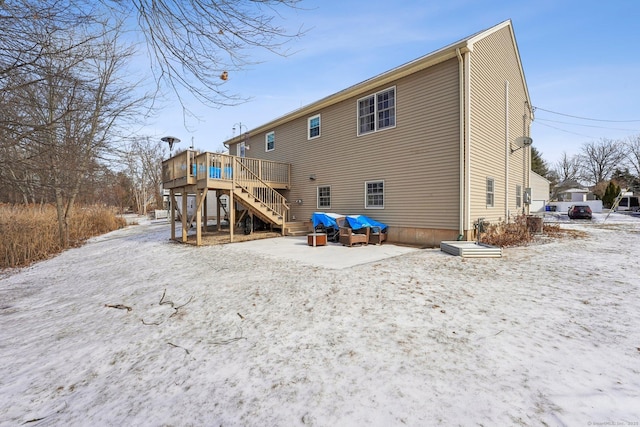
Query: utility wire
(585, 118)
(563, 130)
(584, 125)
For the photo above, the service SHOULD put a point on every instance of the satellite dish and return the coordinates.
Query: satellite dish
(523, 141)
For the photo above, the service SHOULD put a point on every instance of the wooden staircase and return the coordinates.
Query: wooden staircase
(297, 228)
(259, 197)
(257, 207)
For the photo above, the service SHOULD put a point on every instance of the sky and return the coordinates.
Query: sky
(579, 58)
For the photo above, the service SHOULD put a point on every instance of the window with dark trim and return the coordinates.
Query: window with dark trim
(377, 112)
(270, 141)
(490, 192)
(314, 127)
(374, 195)
(324, 196)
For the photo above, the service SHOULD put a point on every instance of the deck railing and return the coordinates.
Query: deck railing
(188, 167)
(215, 166)
(180, 169)
(260, 190)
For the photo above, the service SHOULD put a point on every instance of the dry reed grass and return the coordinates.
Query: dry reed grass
(30, 233)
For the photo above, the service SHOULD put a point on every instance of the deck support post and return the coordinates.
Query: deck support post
(185, 216)
(200, 198)
(205, 212)
(198, 218)
(232, 216)
(218, 211)
(172, 208)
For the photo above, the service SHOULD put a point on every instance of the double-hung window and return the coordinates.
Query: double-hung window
(324, 196)
(374, 195)
(490, 192)
(518, 196)
(314, 127)
(270, 141)
(377, 112)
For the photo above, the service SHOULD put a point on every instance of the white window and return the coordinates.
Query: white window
(314, 127)
(270, 141)
(490, 190)
(324, 196)
(374, 195)
(518, 196)
(377, 112)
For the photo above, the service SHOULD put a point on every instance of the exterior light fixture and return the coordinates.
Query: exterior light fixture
(170, 140)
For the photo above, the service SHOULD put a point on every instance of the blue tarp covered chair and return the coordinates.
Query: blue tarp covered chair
(328, 223)
(349, 237)
(355, 227)
(377, 231)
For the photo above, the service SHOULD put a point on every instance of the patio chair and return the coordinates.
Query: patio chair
(376, 236)
(349, 238)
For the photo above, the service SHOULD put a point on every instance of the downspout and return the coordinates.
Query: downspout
(467, 136)
(506, 152)
(526, 160)
(462, 188)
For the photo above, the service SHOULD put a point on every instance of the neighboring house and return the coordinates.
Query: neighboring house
(575, 196)
(540, 187)
(428, 147)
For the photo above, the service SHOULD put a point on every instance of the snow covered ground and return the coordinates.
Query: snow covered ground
(259, 334)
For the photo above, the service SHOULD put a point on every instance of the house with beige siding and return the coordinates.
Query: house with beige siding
(540, 192)
(429, 147)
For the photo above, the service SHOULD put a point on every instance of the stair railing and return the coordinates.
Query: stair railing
(248, 180)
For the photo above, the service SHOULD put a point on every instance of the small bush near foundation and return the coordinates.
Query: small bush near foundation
(518, 233)
(504, 234)
(30, 233)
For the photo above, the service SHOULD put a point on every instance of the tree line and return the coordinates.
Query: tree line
(602, 165)
(70, 93)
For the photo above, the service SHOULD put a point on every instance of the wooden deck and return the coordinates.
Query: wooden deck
(255, 184)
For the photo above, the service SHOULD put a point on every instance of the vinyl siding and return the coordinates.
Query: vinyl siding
(494, 62)
(418, 160)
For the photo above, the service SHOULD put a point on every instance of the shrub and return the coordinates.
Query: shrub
(30, 233)
(519, 233)
(514, 233)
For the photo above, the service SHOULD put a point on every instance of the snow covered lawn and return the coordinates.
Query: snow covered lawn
(547, 334)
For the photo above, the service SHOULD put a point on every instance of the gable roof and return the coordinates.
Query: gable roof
(537, 176)
(411, 67)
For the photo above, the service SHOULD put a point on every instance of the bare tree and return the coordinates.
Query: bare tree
(143, 161)
(567, 168)
(31, 31)
(63, 94)
(195, 44)
(600, 158)
(633, 153)
(71, 110)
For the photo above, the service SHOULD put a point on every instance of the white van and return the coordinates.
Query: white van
(628, 203)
